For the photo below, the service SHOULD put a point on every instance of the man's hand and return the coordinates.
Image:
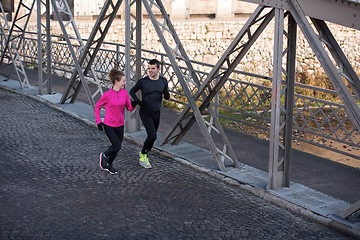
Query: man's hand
(133, 104)
(100, 126)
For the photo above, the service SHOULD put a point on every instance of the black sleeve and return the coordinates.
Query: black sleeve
(166, 90)
(134, 90)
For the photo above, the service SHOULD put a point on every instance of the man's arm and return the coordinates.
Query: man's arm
(166, 90)
(133, 91)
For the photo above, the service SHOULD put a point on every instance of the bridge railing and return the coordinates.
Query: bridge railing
(242, 104)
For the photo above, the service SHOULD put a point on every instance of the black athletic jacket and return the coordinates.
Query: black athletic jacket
(151, 93)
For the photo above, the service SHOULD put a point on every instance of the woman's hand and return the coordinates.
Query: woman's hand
(100, 126)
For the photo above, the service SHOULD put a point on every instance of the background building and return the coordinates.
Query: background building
(177, 9)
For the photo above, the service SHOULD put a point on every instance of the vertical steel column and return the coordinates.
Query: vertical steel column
(276, 167)
(48, 49)
(41, 50)
(289, 97)
(138, 47)
(40, 46)
(282, 114)
(132, 119)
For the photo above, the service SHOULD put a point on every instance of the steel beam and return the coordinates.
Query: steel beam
(62, 6)
(344, 66)
(289, 98)
(280, 152)
(351, 107)
(350, 210)
(132, 61)
(276, 155)
(228, 61)
(10, 48)
(43, 32)
(342, 12)
(89, 54)
(175, 54)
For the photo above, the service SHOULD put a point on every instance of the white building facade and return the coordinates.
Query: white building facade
(179, 9)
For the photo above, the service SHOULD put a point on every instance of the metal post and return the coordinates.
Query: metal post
(40, 47)
(132, 119)
(289, 98)
(41, 50)
(48, 49)
(275, 166)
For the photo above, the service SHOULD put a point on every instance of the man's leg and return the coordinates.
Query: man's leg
(151, 126)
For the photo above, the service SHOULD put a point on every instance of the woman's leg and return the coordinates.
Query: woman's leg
(115, 136)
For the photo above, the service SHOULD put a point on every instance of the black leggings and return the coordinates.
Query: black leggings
(151, 121)
(115, 135)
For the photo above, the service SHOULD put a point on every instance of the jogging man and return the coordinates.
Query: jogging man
(153, 88)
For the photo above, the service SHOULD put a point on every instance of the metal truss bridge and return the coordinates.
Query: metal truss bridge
(280, 105)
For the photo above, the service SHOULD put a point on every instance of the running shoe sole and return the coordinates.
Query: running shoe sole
(145, 166)
(101, 161)
(144, 163)
(105, 169)
(112, 172)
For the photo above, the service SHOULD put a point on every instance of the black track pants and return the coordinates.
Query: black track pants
(115, 135)
(151, 121)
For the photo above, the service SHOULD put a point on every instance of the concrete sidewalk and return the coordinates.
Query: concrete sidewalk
(298, 198)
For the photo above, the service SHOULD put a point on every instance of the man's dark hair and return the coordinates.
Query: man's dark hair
(155, 62)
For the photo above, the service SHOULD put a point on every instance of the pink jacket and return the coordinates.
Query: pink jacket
(114, 102)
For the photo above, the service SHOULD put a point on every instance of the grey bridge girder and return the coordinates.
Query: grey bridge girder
(71, 23)
(280, 149)
(205, 90)
(10, 45)
(87, 55)
(43, 33)
(279, 164)
(178, 53)
(345, 69)
(132, 61)
(282, 114)
(352, 108)
(345, 13)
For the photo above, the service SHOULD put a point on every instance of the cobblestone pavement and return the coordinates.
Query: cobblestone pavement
(51, 187)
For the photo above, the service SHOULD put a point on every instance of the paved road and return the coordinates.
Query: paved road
(334, 179)
(52, 188)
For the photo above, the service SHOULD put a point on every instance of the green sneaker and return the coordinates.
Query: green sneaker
(144, 161)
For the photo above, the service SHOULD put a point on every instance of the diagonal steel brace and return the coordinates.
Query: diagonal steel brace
(178, 53)
(225, 59)
(351, 107)
(90, 57)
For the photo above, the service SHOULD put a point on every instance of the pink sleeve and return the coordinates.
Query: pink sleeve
(98, 106)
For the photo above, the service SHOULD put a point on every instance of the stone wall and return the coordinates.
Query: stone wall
(206, 41)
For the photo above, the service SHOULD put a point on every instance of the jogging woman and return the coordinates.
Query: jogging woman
(115, 100)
